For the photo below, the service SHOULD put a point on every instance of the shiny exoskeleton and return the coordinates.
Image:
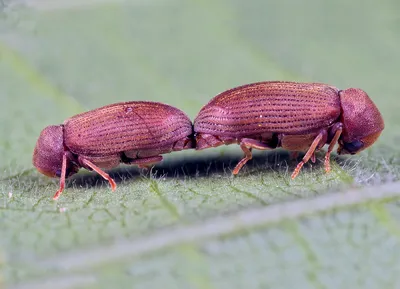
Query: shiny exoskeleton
(135, 133)
(294, 116)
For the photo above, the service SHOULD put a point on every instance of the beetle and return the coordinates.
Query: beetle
(136, 133)
(292, 115)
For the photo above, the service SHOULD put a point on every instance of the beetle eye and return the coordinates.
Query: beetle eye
(353, 147)
(58, 173)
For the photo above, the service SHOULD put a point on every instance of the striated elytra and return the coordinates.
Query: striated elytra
(264, 115)
(136, 133)
(294, 116)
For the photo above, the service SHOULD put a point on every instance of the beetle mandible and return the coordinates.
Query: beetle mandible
(292, 115)
(136, 132)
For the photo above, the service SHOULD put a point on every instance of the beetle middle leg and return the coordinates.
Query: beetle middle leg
(88, 164)
(247, 144)
(94, 164)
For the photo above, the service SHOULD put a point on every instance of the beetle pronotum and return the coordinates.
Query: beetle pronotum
(136, 133)
(294, 116)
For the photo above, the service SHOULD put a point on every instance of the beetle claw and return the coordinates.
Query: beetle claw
(57, 194)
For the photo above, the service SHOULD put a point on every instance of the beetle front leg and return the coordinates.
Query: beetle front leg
(337, 131)
(62, 177)
(247, 144)
(318, 142)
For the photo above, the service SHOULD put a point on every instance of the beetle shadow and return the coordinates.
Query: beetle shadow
(193, 167)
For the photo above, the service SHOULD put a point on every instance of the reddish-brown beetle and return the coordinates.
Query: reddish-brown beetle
(136, 132)
(291, 115)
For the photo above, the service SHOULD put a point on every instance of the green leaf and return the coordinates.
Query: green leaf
(188, 223)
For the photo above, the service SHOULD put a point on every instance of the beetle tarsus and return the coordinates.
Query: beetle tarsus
(58, 193)
(297, 169)
(327, 162)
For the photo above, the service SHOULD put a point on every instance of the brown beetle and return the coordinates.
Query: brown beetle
(291, 115)
(136, 132)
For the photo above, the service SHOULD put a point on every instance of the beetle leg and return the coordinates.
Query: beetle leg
(144, 162)
(338, 128)
(102, 173)
(247, 156)
(246, 145)
(315, 144)
(62, 177)
(294, 155)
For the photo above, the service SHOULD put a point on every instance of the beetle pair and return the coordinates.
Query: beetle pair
(264, 115)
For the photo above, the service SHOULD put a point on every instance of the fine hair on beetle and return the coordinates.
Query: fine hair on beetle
(298, 117)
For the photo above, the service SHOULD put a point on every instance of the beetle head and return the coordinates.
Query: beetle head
(48, 153)
(362, 121)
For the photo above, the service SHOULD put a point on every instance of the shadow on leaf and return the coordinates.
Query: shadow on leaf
(194, 167)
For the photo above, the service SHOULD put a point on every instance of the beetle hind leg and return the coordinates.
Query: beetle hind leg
(247, 145)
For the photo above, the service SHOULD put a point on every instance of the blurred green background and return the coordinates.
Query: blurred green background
(59, 58)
